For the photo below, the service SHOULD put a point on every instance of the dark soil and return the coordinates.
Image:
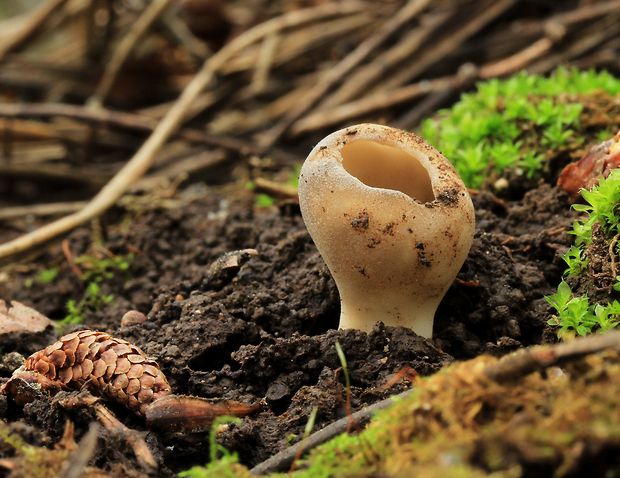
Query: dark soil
(267, 328)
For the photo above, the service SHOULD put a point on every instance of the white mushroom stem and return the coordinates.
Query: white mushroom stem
(392, 220)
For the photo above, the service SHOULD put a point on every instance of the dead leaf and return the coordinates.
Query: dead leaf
(17, 317)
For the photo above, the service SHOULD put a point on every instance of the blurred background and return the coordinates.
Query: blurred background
(83, 83)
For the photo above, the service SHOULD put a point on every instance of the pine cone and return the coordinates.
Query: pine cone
(118, 369)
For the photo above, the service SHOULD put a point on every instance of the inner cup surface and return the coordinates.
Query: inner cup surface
(383, 166)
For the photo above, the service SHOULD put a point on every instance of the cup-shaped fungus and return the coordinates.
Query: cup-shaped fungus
(392, 220)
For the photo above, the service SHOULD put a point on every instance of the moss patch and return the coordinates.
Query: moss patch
(459, 424)
(523, 122)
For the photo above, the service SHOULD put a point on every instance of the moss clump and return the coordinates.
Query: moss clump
(521, 122)
(593, 265)
(458, 423)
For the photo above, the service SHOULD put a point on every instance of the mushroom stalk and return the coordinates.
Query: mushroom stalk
(392, 220)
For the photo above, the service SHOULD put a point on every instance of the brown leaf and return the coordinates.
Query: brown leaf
(598, 162)
(16, 317)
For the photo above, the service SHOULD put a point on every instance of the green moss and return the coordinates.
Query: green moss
(504, 123)
(596, 234)
(459, 424)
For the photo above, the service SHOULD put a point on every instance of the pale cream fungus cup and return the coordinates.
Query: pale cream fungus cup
(392, 220)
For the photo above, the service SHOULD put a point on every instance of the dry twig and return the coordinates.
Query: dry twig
(449, 43)
(374, 102)
(526, 361)
(49, 209)
(133, 438)
(144, 157)
(338, 72)
(78, 461)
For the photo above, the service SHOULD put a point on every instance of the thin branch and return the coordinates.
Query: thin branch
(276, 189)
(179, 30)
(120, 119)
(449, 43)
(339, 71)
(587, 12)
(283, 460)
(380, 100)
(588, 39)
(554, 32)
(144, 157)
(143, 454)
(517, 61)
(526, 361)
(362, 78)
(466, 77)
(263, 63)
(50, 209)
(301, 41)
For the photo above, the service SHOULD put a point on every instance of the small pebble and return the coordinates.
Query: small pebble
(277, 391)
(133, 317)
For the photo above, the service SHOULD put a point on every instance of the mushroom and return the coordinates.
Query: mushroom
(392, 220)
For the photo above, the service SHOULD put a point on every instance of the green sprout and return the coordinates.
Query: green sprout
(92, 301)
(310, 423)
(347, 378)
(500, 126)
(603, 207)
(575, 315)
(47, 276)
(95, 271)
(99, 269)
